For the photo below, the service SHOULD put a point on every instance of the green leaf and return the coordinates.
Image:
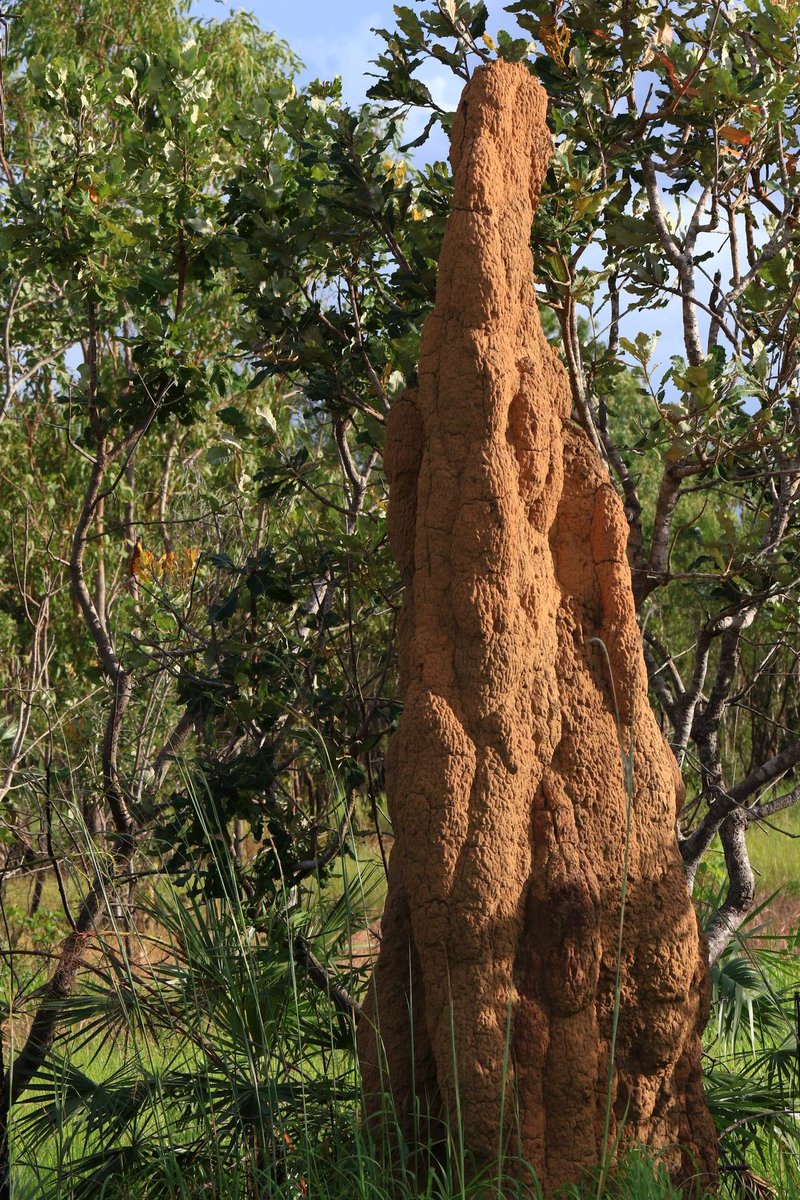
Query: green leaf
(235, 418)
(630, 231)
(478, 23)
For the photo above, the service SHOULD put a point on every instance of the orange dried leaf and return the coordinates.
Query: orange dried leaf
(677, 85)
(669, 68)
(554, 36)
(732, 134)
(133, 565)
(142, 562)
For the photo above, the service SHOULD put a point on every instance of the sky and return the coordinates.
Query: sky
(330, 38)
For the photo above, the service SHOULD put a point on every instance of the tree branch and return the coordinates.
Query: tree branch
(741, 888)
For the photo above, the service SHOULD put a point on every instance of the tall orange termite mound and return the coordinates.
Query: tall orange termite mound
(522, 673)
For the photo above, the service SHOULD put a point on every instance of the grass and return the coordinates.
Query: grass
(776, 861)
(344, 1163)
(200, 1033)
(352, 1168)
(210, 1067)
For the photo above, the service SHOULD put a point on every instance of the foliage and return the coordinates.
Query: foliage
(216, 1061)
(212, 287)
(751, 1050)
(202, 1059)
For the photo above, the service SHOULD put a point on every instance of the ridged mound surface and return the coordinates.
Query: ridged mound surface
(505, 779)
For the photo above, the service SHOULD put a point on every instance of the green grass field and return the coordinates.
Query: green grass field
(776, 856)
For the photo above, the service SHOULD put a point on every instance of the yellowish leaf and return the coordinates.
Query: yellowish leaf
(737, 136)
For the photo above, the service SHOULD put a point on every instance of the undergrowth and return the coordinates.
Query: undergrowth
(202, 1057)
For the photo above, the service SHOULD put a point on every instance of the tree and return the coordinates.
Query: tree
(120, 130)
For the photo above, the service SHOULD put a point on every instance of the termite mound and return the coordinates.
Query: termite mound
(523, 683)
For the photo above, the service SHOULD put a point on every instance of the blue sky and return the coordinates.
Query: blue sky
(330, 38)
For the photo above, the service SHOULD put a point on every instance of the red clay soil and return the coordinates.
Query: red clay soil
(505, 778)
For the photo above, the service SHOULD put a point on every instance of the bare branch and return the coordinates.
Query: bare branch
(741, 888)
(679, 256)
(120, 679)
(305, 867)
(770, 807)
(767, 773)
(321, 977)
(171, 747)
